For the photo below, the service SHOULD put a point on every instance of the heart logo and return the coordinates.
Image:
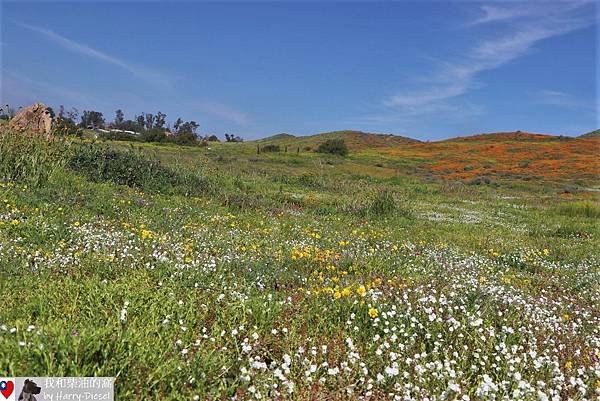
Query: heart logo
(6, 388)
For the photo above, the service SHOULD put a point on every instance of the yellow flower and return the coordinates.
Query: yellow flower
(373, 313)
(76, 224)
(546, 252)
(569, 365)
(361, 290)
(337, 295)
(146, 234)
(346, 292)
(14, 222)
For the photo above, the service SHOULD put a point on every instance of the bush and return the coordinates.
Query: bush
(383, 203)
(186, 138)
(334, 147)
(30, 158)
(134, 168)
(271, 148)
(64, 127)
(153, 135)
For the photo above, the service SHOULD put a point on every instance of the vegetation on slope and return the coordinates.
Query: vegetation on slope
(300, 275)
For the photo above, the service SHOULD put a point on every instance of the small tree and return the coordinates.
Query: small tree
(334, 147)
(233, 138)
(93, 119)
(119, 118)
(159, 120)
(271, 148)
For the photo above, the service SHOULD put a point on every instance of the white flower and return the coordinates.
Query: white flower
(391, 371)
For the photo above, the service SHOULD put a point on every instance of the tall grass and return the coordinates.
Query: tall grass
(29, 158)
(587, 209)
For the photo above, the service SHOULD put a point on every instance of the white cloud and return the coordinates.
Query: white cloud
(221, 111)
(21, 90)
(527, 27)
(560, 99)
(144, 73)
(511, 11)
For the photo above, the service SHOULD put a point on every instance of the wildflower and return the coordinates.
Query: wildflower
(361, 290)
(146, 234)
(568, 365)
(373, 313)
(76, 224)
(346, 292)
(14, 222)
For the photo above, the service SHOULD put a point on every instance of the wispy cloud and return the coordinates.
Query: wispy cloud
(144, 73)
(23, 90)
(560, 99)
(507, 12)
(221, 111)
(527, 26)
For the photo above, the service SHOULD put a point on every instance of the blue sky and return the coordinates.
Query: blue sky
(426, 69)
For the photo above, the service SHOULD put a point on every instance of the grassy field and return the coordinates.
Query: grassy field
(460, 270)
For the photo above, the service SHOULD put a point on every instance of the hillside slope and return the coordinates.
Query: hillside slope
(506, 136)
(356, 140)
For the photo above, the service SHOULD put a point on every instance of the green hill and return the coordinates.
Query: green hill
(356, 140)
(591, 134)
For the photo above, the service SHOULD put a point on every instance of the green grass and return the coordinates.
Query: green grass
(220, 272)
(586, 209)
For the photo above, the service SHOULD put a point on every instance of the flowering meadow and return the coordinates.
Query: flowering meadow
(303, 277)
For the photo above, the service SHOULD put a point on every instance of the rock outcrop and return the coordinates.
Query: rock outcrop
(36, 118)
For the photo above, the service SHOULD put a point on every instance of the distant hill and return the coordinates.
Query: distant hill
(591, 134)
(355, 140)
(277, 137)
(505, 136)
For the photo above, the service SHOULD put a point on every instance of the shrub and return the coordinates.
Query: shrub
(186, 138)
(153, 135)
(334, 147)
(271, 148)
(64, 127)
(31, 158)
(383, 203)
(134, 168)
